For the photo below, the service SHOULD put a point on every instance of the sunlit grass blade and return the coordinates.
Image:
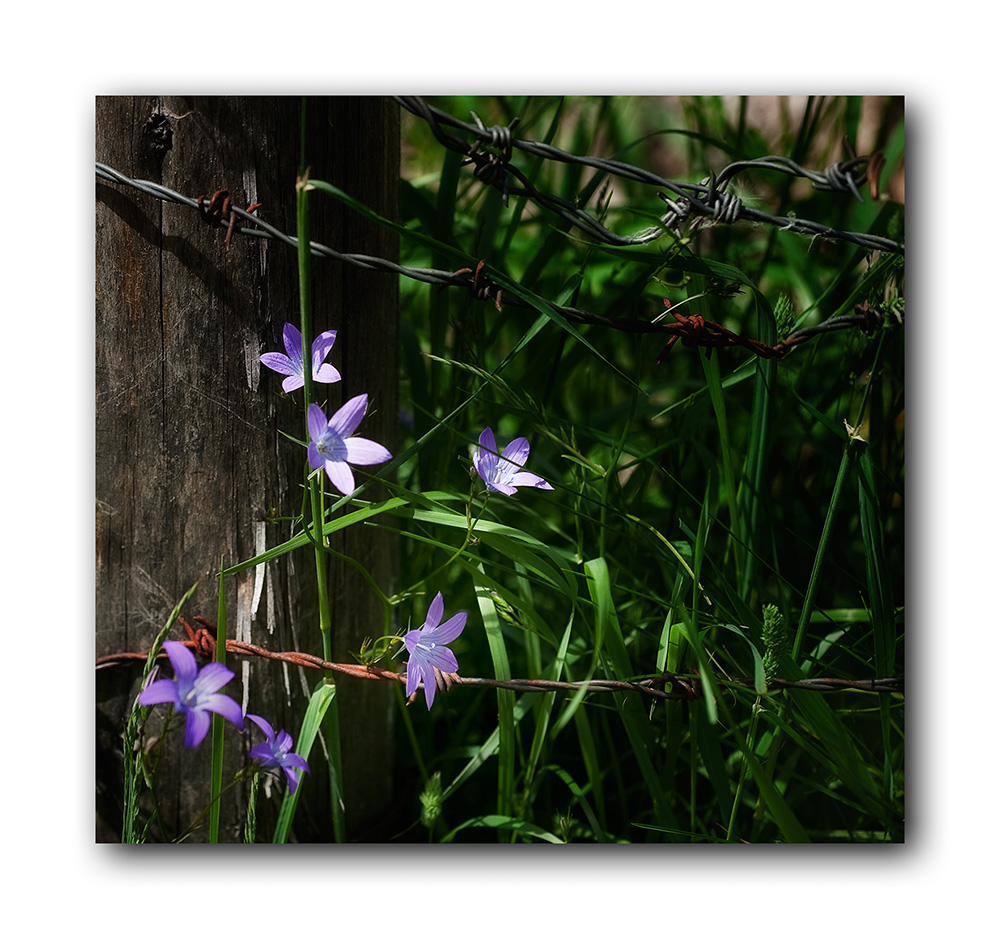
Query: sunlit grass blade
(581, 800)
(134, 773)
(505, 699)
(824, 539)
(758, 446)
(880, 598)
(504, 823)
(713, 382)
(633, 716)
(320, 701)
(301, 540)
(218, 722)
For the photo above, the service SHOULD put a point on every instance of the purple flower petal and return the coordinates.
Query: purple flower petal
(163, 691)
(321, 347)
(332, 447)
(293, 759)
(413, 671)
(341, 476)
(326, 374)
(529, 479)
(485, 458)
(226, 706)
(316, 422)
(428, 651)
(435, 612)
(263, 725)
(441, 658)
(292, 363)
(499, 486)
(274, 752)
(193, 693)
(430, 686)
(346, 420)
(182, 659)
(212, 677)
(278, 362)
(516, 452)
(196, 727)
(450, 630)
(293, 345)
(316, 459)
(363, 452)
(503, 473)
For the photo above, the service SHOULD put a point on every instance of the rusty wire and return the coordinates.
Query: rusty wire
(708, 200)
(683, 687)
(691, 331)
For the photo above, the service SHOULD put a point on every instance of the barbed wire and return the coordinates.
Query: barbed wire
(202, 641)
(690, 330)
(709, 200)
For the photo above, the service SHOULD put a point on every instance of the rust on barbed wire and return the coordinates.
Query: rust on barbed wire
(688, 329)
(218, 211)
(708, 200)
(202, 641)
(482, 287)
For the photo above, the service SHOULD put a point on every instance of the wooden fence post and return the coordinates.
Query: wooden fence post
(189, 454)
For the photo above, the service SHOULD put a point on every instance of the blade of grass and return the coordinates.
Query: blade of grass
(824, 540)
(880, 597)
(505, 697)
(218, 722)
(637, 725)
(758, 445)
(320, 701)
(501, 823)
(133, 758)
(713, 382)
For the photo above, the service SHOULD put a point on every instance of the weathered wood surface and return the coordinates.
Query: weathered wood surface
(188, 420)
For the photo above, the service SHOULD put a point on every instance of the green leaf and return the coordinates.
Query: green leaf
(320, 701)
(507, 823)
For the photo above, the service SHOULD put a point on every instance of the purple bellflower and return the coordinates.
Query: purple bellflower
(275, 753)
(503, 473)
(193, 693)
(332, 447)
(428, 651)
(291, 364)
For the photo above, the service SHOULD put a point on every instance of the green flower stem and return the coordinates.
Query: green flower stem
(751, 737)
(213, 806)
(610, 474)
(218, 721)
(331, 721)
(319, 543)
(470, 527)
(824, 540)
(302, 187)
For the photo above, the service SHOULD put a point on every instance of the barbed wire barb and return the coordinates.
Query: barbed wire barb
(481, 286)
(683, 687)
(708, 200)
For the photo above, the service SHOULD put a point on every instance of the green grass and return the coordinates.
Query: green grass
(688, 494)
(692, 489)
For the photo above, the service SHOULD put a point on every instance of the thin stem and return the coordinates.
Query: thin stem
(218, 722)
(214, 804)
(471, 525)
(751, 736)
(824, 540)
(302, 187)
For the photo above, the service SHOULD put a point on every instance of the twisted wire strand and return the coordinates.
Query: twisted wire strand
(708, 200)
(683, 687)
(691, 330)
